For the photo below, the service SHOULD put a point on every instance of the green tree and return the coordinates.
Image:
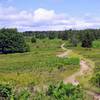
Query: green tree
(87, 39)
(65, 35)
(33, 39)
(74, 40)
(52, 35)
(12, 41)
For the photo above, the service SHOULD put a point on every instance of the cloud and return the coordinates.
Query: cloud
(43, 15)
(44, 19)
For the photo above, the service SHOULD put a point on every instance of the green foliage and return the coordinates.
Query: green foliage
(41, 96)
(62, 91)
(74, 60)
(93, 54)
(42, 57)
(64, 36)
(40, 65)
(96, 44)
(52, 35)
(23, 95)
(33, 39)
(96, 80)
(87, 39)
(5, 91)
(12, 41)
(73, 39)
(58, 91)
(68, 61)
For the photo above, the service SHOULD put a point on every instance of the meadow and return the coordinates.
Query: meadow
(93, 56)
(39, 66)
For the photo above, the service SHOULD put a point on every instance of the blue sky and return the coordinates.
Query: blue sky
(49, 14)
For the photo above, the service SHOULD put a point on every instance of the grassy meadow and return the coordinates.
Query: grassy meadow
(39, 66)
(93, 55)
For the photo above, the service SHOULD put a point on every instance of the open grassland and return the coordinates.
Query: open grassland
(39, 66)
(93, 55)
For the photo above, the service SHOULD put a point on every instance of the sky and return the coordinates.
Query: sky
(43, 15)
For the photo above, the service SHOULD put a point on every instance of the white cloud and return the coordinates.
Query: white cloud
(43, 15)
(43, 19)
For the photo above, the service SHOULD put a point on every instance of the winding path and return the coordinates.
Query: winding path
(65, 53)
(84, 69)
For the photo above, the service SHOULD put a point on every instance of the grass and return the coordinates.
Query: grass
(96, 44)
(40, 66)
(92, 56)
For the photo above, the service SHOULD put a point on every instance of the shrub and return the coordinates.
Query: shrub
(96, 44)
(12, 41)
(5, 91)
(33, 40)
(95, 80)
(63, 91)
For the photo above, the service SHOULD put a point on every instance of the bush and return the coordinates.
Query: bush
(96, 44)
(12, 41)
(33, 40)
(63, 91)
(5, 91)
(95, 80)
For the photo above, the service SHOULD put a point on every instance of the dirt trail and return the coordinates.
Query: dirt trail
(84, 69)
(94, 95)
(64, 54)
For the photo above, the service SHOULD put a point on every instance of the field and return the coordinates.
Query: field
(93, 55)
(49, 50)
(39, 66)
(42, 66)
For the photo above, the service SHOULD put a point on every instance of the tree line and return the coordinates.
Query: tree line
(85, 37)
(12, 41)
